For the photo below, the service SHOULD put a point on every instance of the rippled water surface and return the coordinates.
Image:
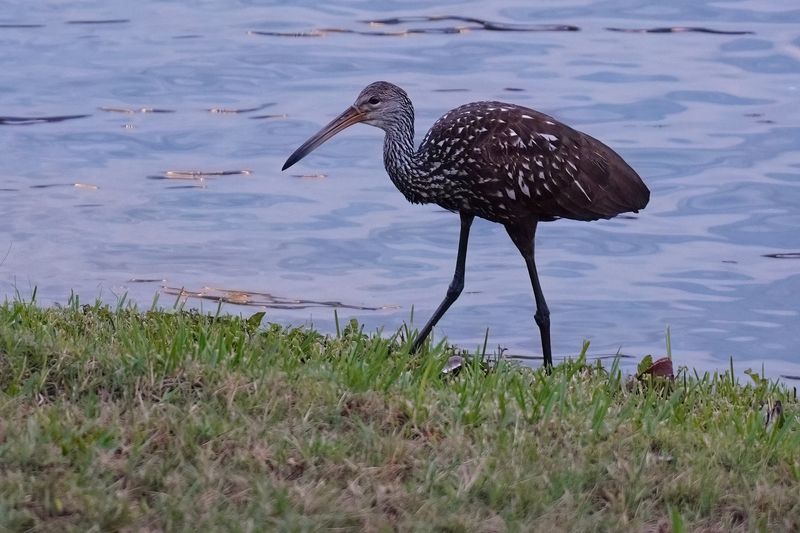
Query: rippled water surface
(710, 120)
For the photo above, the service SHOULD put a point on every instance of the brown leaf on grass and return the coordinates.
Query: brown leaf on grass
(661, 368)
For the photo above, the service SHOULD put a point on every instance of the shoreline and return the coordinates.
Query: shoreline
(118, 418)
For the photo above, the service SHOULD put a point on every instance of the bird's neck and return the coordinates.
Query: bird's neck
(403, 164)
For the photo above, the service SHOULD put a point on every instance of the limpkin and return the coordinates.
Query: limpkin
(501, 162)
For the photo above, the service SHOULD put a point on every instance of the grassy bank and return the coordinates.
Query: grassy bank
(120, 419)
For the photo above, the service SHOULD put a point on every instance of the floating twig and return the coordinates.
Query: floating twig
(262, 299)
(232, 111)
(681, 29)
(279, 115)
(131, 110)
(472, 24)
(783, 255)
(27, 121)
(21, 26)
(198, 175)
(91, 22)
(86, 186)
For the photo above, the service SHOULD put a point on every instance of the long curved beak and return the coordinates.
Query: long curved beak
(348, 118)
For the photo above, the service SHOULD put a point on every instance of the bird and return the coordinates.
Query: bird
(498, 161)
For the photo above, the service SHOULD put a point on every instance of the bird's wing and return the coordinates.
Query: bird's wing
(541, 166)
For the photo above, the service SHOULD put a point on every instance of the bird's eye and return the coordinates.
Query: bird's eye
(374, 100)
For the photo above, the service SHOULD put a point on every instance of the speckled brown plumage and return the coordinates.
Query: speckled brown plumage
(507, 163)
(502, 162)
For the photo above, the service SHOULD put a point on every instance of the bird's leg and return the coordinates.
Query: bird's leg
(523, 237)
(542, 315)
(456, 286)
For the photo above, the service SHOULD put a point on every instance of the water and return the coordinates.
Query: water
(709, 120)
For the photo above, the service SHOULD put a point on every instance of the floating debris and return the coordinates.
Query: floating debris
(261, 299)
(324, 31)
(107, 21)
(179, 173)
(198, 175)
(453, 365)
(660, 368)
(286, 34)
(280, 115)
(146, 280)
(310, 176)
(681, 29)
(469, 24)
(198, 185)
(73, 185)
(50, 185)
(131, 110)
(224, 110)
(479, 23)
(783, 255)
(472, 24)
(27, 121)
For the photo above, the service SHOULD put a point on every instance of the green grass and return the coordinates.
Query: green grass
(113, 418)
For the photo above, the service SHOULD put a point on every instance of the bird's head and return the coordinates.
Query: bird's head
(380, 104)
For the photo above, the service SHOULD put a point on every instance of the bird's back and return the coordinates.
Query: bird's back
(505, 162)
